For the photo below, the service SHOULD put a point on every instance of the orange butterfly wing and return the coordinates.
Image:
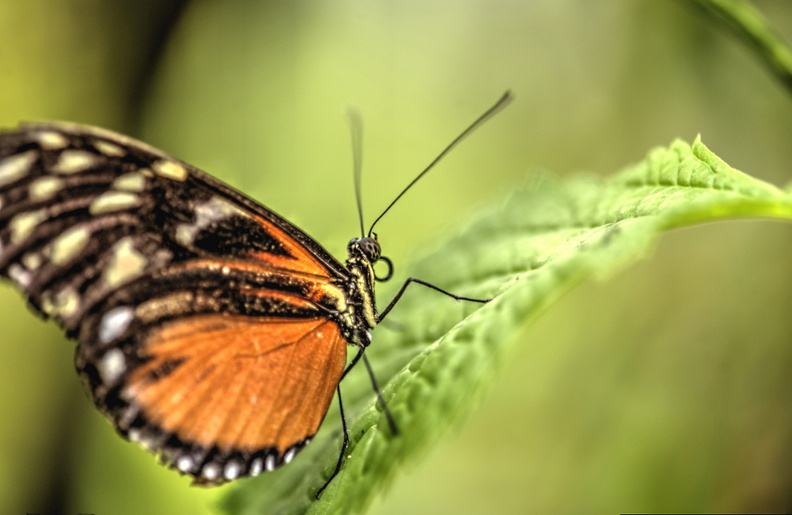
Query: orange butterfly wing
(247, 385)
(210, 329)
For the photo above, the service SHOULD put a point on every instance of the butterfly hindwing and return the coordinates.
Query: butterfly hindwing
(226, 396)
(205, 321)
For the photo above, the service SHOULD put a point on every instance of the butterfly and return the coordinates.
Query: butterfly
(210, 330)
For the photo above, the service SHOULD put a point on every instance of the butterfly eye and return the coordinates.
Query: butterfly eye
(372, 249)
(369, 247)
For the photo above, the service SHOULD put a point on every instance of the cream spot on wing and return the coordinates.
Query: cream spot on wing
(125, 264)
(135, 435)
(25, 223)
(63, 303)
(112, 366)
(44, 188)
(213, 210)
(269, 462)
(15, 167)
(74, 161)
(114, 323)
(51, 140)
(127, 417)
(19, 275)
(133, 181)
(145, 439)
(31, 260)
(170, 170)
(69, 244)
(110, 201)
(109, 149)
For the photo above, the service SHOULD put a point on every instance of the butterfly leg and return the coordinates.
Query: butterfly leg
(392, 423)
(353, 362)
(432, 286)
(388, 416)
(374, 385)
(343, 444)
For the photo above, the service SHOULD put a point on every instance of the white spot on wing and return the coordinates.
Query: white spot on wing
(170, 170)
(135, 435)
(257, 467)
(20, 275)
(69, 244)
(148, 443)
(125, 264)
(15, 167)
(114, 323)
(269, 462)
(210, 472)
(232, 471)
(213, 210)
(74, 161)
(127, 417)
(289, 455)
(110, 201)
(112, 366)
(44, 188)
(185, 464)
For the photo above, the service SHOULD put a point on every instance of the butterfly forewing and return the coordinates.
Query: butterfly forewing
(210, 329)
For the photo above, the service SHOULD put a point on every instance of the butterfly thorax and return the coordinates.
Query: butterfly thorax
(362, 254)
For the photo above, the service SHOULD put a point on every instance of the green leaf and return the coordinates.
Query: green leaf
(546, 237)
(748, 23)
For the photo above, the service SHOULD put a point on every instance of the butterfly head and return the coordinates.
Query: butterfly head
(365, 252)
(366, 248)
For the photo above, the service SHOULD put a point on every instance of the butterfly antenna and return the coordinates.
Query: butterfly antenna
(356, 130)
(489, 113)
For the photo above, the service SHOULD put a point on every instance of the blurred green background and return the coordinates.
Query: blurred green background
(666, 387)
